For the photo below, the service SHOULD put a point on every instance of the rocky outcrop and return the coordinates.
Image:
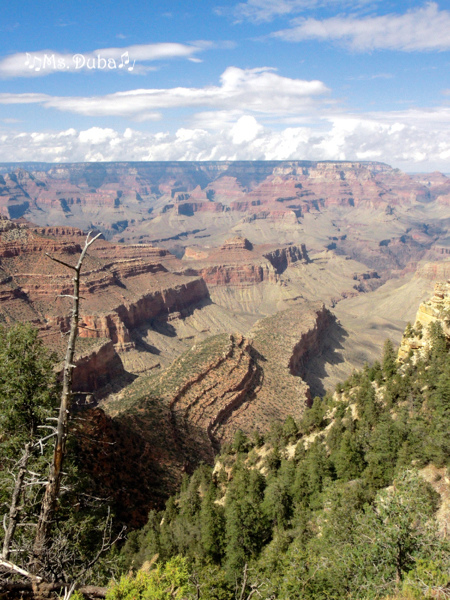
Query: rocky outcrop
(240, 263)
(174, 302)
(287, 340)
(122, 289)
(190, 208)
(436, 309)
(235, 275)
(203, 405)
(282, 258)
(237, 243)
(310, 343)
(96, 370)
(231, 382)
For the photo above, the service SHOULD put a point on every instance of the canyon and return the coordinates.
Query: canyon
(221, 296)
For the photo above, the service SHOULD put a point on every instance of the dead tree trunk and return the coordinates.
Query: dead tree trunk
(44, 525)
(14, 509)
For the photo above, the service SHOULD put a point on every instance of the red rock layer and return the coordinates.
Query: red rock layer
(122, 288)
(284, 189)
(239, 263)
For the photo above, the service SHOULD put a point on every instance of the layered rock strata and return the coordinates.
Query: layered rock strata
(122, 288)
(231, 382)
(284, 189)
(238, 262)
(436, 309)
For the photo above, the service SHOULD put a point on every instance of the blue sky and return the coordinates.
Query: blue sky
(219, 79)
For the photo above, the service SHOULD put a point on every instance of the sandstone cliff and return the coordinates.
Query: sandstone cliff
(436, 309)
(123, 288)
(239, 262)
(232, 381)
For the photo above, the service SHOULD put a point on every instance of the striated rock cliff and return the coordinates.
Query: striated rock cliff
(98, 369)
(436, 309)
(233, 381)
(237, 243)
(282, 258)
(434, 271)
(123, 288)
(240, 263)
(283, 188)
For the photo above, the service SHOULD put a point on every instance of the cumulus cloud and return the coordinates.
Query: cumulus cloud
(420, 29)
(245, 130)
(258, 90)
(412, 140)
(45, 62)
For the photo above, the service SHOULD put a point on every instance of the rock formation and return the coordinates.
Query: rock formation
(436, 309)
(123, 288)
(231, 382)
(238, 262)
(280, 187)
(371, 209)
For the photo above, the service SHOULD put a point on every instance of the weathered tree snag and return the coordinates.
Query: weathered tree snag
(14, 509)
(44, 525)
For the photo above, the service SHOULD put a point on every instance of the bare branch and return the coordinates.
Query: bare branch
(48, 507)
(61, 262)
(12, 568)
(15, 508)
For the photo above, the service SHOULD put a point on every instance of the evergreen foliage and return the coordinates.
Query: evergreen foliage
(29, 395)
(346, 514)
(28, 389)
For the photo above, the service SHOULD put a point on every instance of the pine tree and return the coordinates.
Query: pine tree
(28, 387)
(212, 526)
(349, 459)
(389, 360)
(290, 431)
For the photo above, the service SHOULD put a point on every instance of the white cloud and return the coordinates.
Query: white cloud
(96, 135)
(257, 90)
(245, 130)
(412, 140)
(266, 10)
(419, 29)
(45, 62)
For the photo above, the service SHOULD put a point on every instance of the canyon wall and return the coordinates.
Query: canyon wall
(231, 382)
(434, 310)
(295, 186)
